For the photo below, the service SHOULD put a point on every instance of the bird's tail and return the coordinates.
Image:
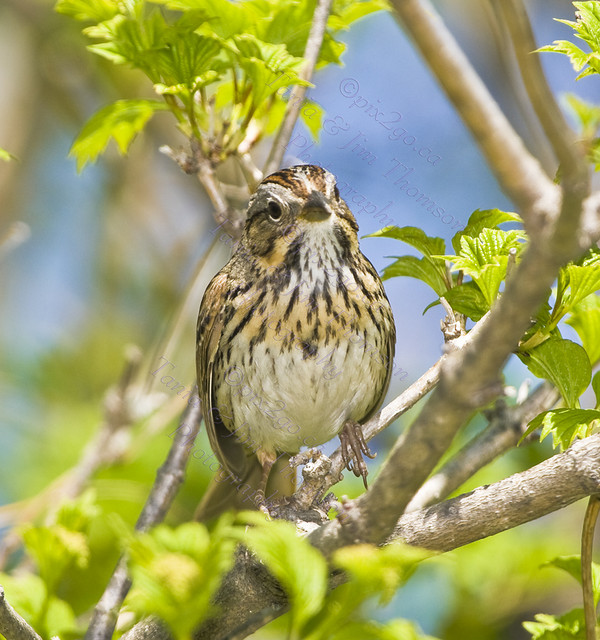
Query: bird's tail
(228, 491)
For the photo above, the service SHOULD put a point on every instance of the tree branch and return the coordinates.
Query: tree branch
(311, 54)
(555, 126)
(249, 591)
(503, 433)
(519, 174)
(12, 626)
(522, 497)
(148, 629)
(168, 479)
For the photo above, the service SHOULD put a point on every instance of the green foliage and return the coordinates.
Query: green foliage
(570, 626)
(121, 120)
(572, 565)
(565, 425)
(483, 254)
(6, 155)
(586, 28)
(49, 615)
(565, 364)
(585, 319)
(175, 572)
(219, 66)
(57, 548)
(316, 614)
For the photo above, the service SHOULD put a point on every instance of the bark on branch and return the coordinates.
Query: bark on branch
(522, 497)
(12, 626)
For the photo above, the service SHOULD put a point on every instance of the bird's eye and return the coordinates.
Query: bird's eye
(336, 191)
(274, 211)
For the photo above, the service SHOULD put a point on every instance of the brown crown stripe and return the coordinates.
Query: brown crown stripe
(292, 178)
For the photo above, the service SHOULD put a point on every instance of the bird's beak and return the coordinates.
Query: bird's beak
(316, 208)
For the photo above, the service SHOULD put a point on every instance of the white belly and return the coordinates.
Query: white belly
(295, 402)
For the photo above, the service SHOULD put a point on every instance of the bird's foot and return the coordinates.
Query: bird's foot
(354, 446)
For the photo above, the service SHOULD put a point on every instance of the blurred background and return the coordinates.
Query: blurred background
(95, 262)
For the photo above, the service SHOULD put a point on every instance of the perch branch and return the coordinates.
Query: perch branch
(551, 485)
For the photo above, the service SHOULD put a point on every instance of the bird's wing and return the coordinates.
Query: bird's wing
(228, 450)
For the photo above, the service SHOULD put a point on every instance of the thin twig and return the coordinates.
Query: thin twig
(12, 626)
(587, 546)
(555, 126)
(503, 433)
(518, 172)
(311, 55)
(168, 479)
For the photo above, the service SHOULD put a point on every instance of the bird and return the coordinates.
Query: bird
(295, 341)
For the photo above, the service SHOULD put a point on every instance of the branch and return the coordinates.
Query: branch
(202, 167)
(249, 592)
(311, 54)
(148, 629)
(168, 479)
(555, 126)
(503, 433)
(12, 626)
(517, 171)
(523, 497)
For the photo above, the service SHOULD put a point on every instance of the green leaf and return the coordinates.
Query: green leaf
(483, 219)
(121, 120)
(6, 155)
(485, 258)
(570, 626)
(55, 549)
(565, 425)
(133, 40)
(468, 299)
(379, 570)
(588, 115)
(415, 237)
(585, 319)
(564, 363)
(429, 269)
(176, 572)
(413, 267)
(572, 565)
(476, 254)
(596, 388)
(298, 566)
(48, 615)
(345, 13)
(583, 281)
(312, 114)
(587, 28)
(578, 57)
(88, 10)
